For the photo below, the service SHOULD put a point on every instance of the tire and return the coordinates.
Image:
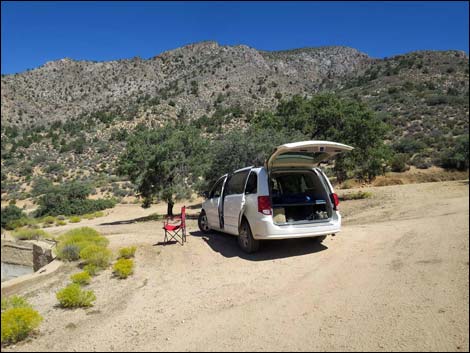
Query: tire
(320, 239)
(203, 223)
(245, 238)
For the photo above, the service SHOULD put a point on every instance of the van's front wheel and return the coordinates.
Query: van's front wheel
(245, 238)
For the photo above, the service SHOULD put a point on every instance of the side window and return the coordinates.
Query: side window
(217, 189)
(236, 183)
(252, 184)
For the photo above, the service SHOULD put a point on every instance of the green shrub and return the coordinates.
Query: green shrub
(72, 242)
(96, 255)
(54, 168)
(88, 216)
(69, 252)
(81, 278)
(123, 268)
(60, 223)
(55, 204)
(398, 163)
(127, 253)
(437, 100)
(14, 301)
(421, 162)
(456, 156)
(84, 234)
(71, 199)
(408, 145)
(41, 186)
(356, 196)
(98, 214)
(17, 323)
(348, 184)
(29, 234)
(48, 219)
(91, 269)
(73, 296)
(9, 214)
(75, 219)
(18, 223)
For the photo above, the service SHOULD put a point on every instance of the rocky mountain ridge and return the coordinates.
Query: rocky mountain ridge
(193, 77)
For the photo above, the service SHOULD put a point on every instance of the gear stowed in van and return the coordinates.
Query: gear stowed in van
(298, 196)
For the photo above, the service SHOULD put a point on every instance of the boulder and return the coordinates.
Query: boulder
(41, 257)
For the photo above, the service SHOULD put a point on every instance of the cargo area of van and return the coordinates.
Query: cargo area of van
(299, 197)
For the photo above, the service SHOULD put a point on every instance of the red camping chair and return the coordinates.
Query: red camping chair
(176, 231)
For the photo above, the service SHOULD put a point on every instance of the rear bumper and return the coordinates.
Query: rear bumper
(265, 229)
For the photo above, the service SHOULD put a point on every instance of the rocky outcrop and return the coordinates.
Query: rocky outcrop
(18, 253)
(41, 256)
(35, 254)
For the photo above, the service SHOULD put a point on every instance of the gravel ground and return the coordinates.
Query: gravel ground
(395, 278)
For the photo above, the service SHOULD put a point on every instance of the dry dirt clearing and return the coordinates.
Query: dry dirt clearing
(396, 278)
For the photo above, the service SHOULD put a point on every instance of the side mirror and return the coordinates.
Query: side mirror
(205, 194)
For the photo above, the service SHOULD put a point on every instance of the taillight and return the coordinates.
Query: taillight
(264, 205)
(335, 201)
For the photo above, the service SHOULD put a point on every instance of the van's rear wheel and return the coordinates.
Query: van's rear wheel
(203, 223)
(245, 238)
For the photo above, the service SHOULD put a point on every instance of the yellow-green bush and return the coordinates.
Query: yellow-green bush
(123, 268)
(17, 323)
(21, 222)
(96, 255)
(73, 296)
(82, 278)
(60, 223)
(72, 242)
(127, 253)
(74, 219)
(29, 234)
(48, 220)
(14, 301)
(349, 184)
(88, 216)
(98, 214)
(91, 269)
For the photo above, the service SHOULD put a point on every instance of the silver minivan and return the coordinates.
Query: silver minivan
(289, 197)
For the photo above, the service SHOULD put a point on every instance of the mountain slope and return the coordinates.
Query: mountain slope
(69, 119)
(192, 76)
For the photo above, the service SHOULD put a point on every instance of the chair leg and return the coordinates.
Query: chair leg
(179, 236)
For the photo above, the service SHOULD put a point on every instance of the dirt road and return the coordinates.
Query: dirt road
(396, 278)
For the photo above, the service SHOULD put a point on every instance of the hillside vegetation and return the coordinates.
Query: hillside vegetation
(72, 120)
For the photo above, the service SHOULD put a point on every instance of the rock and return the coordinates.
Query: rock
(41, 257)
(17, 252)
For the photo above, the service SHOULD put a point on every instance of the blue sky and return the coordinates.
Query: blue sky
(36, 32)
